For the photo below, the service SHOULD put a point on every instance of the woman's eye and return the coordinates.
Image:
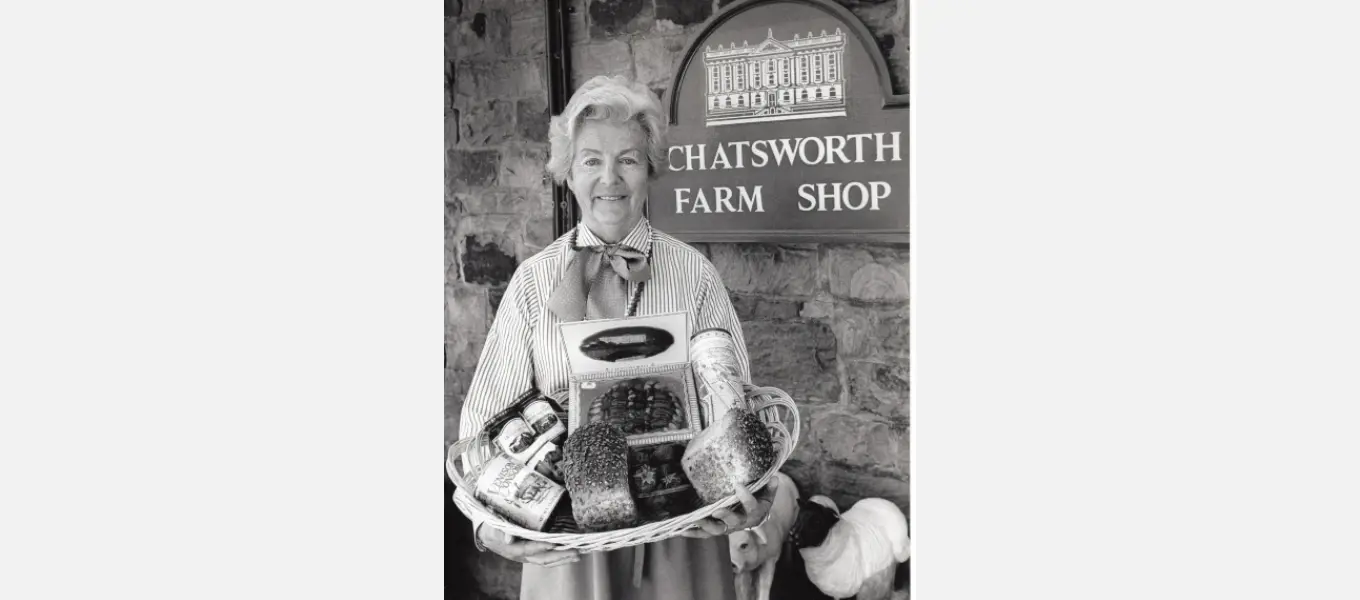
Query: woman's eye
(630, 161)
(591, 162)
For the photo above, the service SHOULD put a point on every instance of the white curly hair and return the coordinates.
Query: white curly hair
(614, 99)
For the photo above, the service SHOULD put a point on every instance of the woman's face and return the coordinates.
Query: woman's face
(609, 176)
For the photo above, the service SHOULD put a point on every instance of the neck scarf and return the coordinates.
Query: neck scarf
(595, 284)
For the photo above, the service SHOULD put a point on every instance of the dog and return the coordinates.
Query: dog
(755, 552)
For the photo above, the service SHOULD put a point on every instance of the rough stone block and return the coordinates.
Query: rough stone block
(529, 36)
(795, 356)
(683, 13)
(464, 309)
(578, 23)
(545, 201)
(605, 58)
(609, 18)
(479, 80)
(868, 274)
(450, 428)
(448, 86)
(493, 299)
(531, 119)
(456, 382)
(767, 268)
(879, 17)
(854, 4)
(820, 307)
(487, 262)
(806, 475)
(655, 58)
(879, 388)
(461, 352)
(486, 123)
(450, 128)
(754, 308)
(450, 40)
(451, 212)
(808, 451)
(525, 167)
(497, 201)
(846, 486)
(472, 168)
(899, 69)
(516, 8)
(450, 242)
(853, 440)
(876, 334)
(481, 34)
(538, 233)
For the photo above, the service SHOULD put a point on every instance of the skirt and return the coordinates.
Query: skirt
(679, 568)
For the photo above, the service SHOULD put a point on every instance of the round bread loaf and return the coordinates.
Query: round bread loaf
(735, 450)
(595, 467)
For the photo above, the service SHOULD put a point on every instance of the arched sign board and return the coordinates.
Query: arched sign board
(783, 129)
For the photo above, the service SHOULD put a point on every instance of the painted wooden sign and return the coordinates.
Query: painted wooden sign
(783, 128)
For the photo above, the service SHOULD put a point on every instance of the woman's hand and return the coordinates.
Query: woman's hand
(750, 513)
(525, 551)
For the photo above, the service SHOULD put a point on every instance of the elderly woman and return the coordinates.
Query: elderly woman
(606, 145)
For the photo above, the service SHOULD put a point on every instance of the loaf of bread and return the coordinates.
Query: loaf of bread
(595, 467)
(735, 450)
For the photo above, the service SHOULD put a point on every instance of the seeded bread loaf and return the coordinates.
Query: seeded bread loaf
(735, 450)
(595, 467)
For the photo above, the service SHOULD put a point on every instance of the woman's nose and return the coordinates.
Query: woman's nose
(611, 173)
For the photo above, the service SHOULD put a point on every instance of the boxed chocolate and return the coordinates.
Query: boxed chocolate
(659, 486)
(649, 403)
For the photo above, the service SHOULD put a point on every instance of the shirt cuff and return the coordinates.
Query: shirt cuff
(477, 540)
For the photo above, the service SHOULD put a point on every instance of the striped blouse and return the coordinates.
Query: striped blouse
(524, 348)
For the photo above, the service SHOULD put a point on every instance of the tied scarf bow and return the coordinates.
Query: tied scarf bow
(590, 290)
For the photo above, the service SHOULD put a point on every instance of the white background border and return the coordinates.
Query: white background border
(1134, 327)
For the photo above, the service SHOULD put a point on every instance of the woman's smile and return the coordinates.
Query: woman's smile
(609, 176)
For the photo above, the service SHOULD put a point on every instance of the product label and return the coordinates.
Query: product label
(517, 492)
(717, 374)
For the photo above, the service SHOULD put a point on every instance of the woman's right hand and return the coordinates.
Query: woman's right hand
(525, 551)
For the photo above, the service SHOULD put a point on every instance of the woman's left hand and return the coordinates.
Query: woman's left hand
(750, 513)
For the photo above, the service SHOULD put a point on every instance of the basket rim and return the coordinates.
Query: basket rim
(786, 436)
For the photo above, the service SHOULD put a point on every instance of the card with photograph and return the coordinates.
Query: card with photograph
(604, 344)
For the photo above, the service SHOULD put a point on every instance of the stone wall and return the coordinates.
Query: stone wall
(830, 319)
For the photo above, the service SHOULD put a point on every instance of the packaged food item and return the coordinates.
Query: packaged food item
(653, 403)
(546, 461)
(717, 374)
(517, 492)
(595, 468)
(516, 438)
(658, 480)
(543, 419)
(735, 450)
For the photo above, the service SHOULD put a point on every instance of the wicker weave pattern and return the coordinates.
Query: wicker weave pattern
(765, 401)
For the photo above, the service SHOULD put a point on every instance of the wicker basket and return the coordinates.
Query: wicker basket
(775, 408)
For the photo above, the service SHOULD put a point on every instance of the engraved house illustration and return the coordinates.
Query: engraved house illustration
(776, 80)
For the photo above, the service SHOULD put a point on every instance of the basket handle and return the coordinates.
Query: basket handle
(457, 451)
(770, 397)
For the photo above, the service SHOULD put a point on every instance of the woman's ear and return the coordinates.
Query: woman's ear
(567, 180)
